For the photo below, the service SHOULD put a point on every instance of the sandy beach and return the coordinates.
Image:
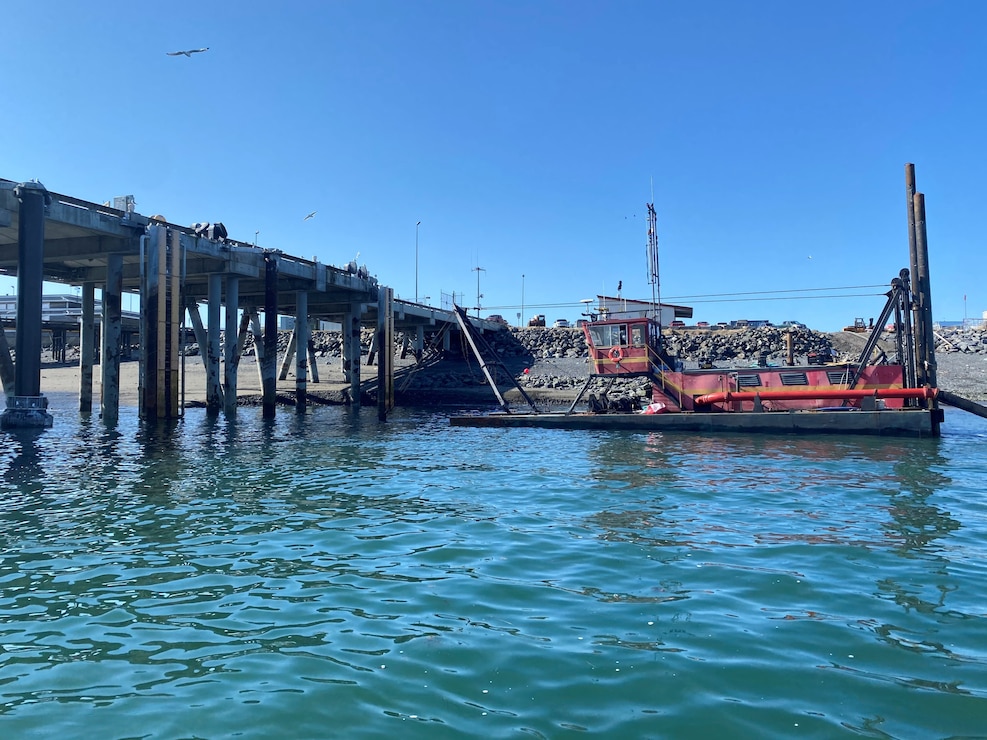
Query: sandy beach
(62, 380)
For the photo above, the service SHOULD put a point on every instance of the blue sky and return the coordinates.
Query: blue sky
(527, 137)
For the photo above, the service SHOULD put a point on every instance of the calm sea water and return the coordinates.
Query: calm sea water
(329, 576)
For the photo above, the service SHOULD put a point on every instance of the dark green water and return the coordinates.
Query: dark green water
(327, 576)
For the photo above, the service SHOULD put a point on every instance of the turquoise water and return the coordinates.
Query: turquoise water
(328, 576)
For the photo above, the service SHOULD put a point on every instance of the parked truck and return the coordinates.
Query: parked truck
(537, 320)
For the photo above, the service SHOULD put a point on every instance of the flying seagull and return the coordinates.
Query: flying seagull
(187, 52)
(309, 216)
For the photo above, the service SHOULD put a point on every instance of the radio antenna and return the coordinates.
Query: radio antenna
(653, 277)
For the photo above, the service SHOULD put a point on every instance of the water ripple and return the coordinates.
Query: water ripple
(258, 578)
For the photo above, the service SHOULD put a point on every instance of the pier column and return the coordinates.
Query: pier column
(110, 354)
(161, 310)
(6, 364)
(385, 353)
(301, 351)
(257, 331)
(214, 390)
(269, 362)
(313, 365)
(420, 342)
(87, 347)
(232, 354)
(27, 407)
(351, 351)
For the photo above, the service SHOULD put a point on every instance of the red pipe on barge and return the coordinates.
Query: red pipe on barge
(834, 395)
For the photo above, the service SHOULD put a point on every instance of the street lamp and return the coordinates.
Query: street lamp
(255, 237)
(416, 260)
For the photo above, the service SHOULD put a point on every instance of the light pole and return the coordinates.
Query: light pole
(522, 299)
(479, 295)
(416, 260)
(255, 237)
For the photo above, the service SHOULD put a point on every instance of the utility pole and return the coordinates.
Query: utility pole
(479, 295)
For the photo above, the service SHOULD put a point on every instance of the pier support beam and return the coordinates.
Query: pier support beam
(312, 364)
(385, 353)
(232, 347)
(109, 402)
(269, 362)
(161, 308)
(6, 364)
(214, 389)
(27, 407)
(87, 347)
(301, 352)
(258, 334)
(351, 351)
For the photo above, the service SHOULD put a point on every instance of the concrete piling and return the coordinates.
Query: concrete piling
(27, 407)
(87, 347)
(110, 353)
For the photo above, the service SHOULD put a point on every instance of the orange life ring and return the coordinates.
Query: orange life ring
(616, 354)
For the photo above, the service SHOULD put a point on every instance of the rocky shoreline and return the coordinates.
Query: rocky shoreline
(552, 364)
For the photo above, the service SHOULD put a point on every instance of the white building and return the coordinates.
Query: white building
(625, 308)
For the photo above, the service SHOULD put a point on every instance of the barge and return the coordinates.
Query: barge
(874, 395)
(834, 398)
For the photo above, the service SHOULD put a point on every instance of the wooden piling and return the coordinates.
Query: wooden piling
(925, 292)
(918, 327)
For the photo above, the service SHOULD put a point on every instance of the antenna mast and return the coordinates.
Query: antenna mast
(653, 261)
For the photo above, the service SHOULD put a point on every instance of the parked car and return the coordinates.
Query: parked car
(497, 319)
(702, 324)
(561, 324)
(677, 324)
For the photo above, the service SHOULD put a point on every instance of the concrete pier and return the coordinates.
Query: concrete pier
(175, 269)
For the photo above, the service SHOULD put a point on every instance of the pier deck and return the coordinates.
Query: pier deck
(176, 268)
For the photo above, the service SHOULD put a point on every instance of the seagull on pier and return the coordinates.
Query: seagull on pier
(311, 215)
(187, 52)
